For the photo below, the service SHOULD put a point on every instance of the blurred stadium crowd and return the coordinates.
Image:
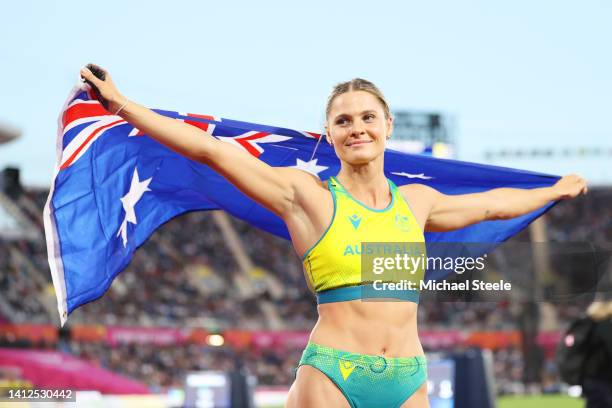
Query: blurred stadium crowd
(187, 275)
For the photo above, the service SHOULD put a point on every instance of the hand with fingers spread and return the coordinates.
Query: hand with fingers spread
(104, 88)
(570, 186)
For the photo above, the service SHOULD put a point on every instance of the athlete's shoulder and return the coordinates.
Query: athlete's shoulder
(418, 189)
(301, 178)
(420, 195)
(309, 189)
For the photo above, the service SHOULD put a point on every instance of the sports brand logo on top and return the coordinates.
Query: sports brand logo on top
(355, 220)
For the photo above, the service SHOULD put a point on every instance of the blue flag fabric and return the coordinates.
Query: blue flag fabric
(114, 186)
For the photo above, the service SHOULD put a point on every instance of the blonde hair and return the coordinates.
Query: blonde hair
(600, 310)
(357, 84)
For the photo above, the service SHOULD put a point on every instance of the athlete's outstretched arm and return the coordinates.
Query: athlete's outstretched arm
(451, 212)
(272, 187)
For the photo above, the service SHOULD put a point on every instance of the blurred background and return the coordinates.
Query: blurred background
(211, 307)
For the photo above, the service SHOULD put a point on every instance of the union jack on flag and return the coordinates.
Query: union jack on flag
(114, 186)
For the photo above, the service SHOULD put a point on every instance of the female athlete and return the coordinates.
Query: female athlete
(360, 354)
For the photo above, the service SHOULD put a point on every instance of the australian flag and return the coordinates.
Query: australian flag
(114, 186)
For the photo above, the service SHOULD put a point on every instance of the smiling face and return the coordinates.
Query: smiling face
(357, 127)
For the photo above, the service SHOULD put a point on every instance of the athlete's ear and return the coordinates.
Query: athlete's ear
(389, 126)
(327, 136)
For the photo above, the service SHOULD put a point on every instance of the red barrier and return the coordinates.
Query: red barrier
(88, 333)
(242, 339)
(32, 332)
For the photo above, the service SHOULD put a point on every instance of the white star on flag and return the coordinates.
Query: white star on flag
(310, 166)
(129, 201)
(412, 176)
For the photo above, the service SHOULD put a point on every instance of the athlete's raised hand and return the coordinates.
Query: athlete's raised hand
(103, 86)
(570, 186)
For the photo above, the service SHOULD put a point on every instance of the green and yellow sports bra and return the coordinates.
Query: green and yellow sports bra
(333, 264)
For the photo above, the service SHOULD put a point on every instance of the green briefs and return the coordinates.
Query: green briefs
(368, 381)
